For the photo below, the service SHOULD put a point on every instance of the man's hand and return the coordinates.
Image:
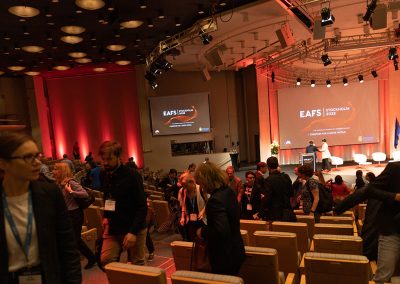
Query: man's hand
(129, 241)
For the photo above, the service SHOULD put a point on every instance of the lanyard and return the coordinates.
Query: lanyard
(28, 240)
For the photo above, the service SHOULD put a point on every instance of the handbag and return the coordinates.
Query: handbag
(85, 202)
(199, 260)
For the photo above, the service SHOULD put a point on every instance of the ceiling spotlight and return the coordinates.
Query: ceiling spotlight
(200, 10)
(152, 79)
(73, 30)
(163, 64)
(32, 48)
(71, 39)
(328, 83)
(370, 10)
(177, 22)
(61, 67)
(345, 82)
(90, 4)
(116, 47)
(298, 82)
(99, 69)
(131, 24)
(325, 59)
(273, 77)
(77, 54)
(312, 83)
(83, 60)
(150, 23)
(392, 53)
(32, 73)
(374, 74)
(361, 78)
(16, 68)
(205, 38)
(327, 17)
(396, 64)
(143, 4)
(23, 11)
(161, 14)
(122, 62)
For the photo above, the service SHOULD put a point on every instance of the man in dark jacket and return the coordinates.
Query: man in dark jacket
(125, 208)
(276, 202)
(386, 187)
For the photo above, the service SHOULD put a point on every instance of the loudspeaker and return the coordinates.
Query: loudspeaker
(206, 74)
(379, 17)
(214, 57)
(319, 31)
(285, 35)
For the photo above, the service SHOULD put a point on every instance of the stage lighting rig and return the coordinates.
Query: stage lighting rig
(393, 53)
(345, 82)
(312, 83)
(205, 37)
(325, 59)
(327, 17)
(298, 82)
(370, 10)
(328, 83)
(361, 78)
(374, 73)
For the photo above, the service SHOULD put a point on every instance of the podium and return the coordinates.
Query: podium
(234, 160)
(308, 159)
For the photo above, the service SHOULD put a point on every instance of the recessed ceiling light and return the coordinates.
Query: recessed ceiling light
(77, 54)
(83, 60)
(131, 24)
(23, 11)
(78, 11)
(122, 62)
(71, 39)
(61, 67)
(116, 47)
(73, 30)
(90, 4)
(16, 68)
(32, 73)
(32, 48)
(99, 69)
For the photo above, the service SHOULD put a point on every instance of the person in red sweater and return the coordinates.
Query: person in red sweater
(339, 189)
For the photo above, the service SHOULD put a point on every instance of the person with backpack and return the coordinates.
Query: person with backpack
(316, 197)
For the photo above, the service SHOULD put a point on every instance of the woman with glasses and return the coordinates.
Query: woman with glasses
(71, 189)
(36, 236)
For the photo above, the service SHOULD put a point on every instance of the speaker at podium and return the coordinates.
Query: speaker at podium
(308, 159)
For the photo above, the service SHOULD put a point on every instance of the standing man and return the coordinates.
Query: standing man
(234, 183)
(311, 148)
(326, 155)
(125, 208)
(276, 203)
(386, 187)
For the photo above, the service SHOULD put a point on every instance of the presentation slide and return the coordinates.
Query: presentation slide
(342, 115)
(180, 114)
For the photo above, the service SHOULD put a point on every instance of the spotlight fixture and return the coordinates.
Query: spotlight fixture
(71, 39)
(23, 11)
(131, 24)
(116, 47)
(361, 78)
(370, 10)
(90, 4)
(312, 83)
(392, 53)
(205, 38)
(123, 62)
(152, 79)
(328, 83)
(273, 77)
(396, 64)
(325, 59)
(73, 30)
(374, 74)
(32, 48)
(99, 69)
(83, 60)
(163, 64)
(327, 17)
(298, 82)
(345, 82)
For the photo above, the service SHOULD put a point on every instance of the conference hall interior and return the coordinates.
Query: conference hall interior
(232, 83)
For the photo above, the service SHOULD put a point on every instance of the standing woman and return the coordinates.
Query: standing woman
(222, 232)
(71, 189)
(36, 235)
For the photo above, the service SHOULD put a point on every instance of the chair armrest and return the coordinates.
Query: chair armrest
(290, 278)
(302, 266)
(303, 279)
(372, 264)
(312, 246)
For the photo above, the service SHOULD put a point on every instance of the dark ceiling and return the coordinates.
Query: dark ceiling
(102, 28)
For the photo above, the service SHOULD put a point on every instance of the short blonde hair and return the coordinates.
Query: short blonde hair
(64, 171)
(210, 177)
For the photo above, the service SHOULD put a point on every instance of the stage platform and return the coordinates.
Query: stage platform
(348, 173)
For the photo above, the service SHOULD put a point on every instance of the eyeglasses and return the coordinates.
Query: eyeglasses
(28, 158)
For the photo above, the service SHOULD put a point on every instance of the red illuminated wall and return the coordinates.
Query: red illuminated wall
(91, 109)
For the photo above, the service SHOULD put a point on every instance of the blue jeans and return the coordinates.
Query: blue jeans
(388, 257)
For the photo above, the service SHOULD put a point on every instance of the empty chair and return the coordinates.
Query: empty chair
(97, 193)
(98, 202)
(161, 212)
(156, 197)
(310, 221)
(336, 161)
(245, 237)
(361, 159)
(347, 214)
(182, 252)
(285, 244)
(298, 212)
(396, 156)
(94, 219)
(336, 220)
(118, 273)
(301, 231)
(90, 237)
(261, 266)
(338, 244)
(379, 157)
(330, 268)
(361, 211)
(251, 226)
(334, 229)
(186, 277)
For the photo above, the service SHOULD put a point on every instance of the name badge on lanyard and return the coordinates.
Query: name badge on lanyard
(249, 207)
(109, 205)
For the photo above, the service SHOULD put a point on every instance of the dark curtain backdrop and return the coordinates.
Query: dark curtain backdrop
(93, 108)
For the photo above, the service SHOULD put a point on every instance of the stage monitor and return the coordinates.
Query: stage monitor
(181, 114)
(343, 115)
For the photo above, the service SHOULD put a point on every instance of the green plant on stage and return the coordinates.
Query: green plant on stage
(274, 148)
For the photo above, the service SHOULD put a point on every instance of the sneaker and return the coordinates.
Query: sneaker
(151, 256)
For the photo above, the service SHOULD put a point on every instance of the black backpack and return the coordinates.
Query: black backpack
(325, 203)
